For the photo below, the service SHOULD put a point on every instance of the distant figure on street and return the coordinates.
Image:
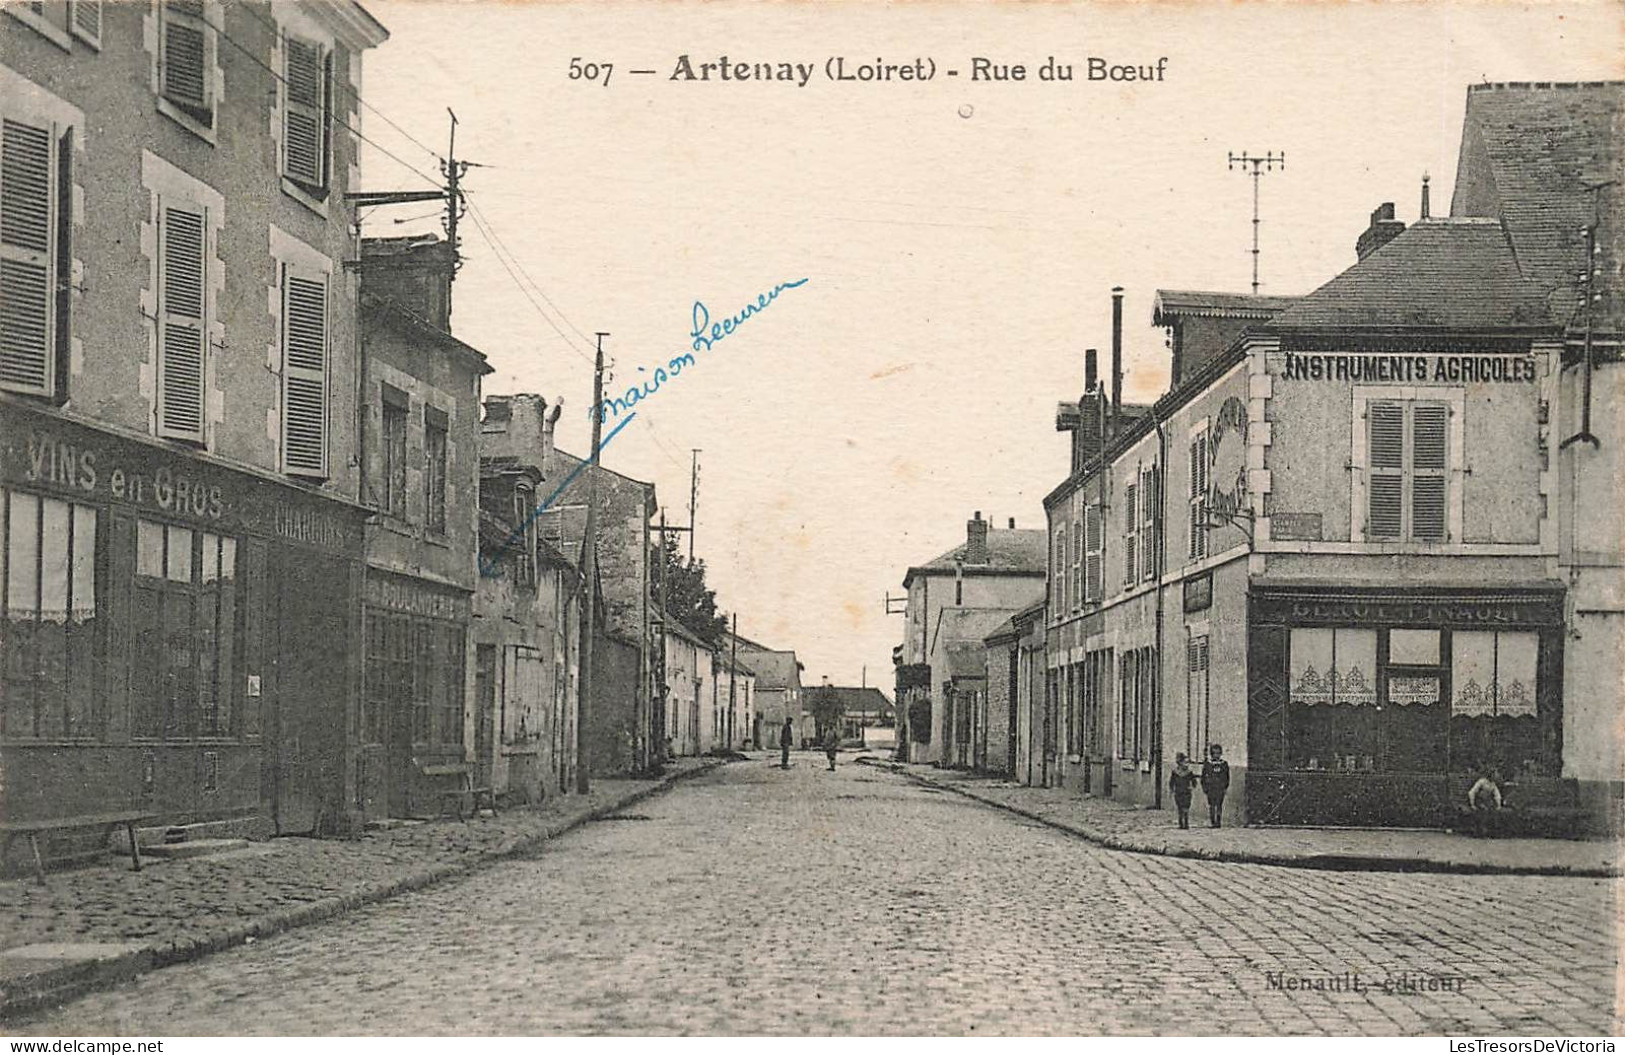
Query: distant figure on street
(1215, 782)
(832, 744)
(1484, 800)
(1182, 781)
(786, 734)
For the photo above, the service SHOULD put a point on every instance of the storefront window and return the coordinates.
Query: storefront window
(49, 635)
(1493, 718)
(183, 668)
(414, 677)
(1332, 712)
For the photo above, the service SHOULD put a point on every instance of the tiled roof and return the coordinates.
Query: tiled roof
(774, 670)
(1019, 550)
(1529, 152)
(856, 700)
(1215, 305)
(1448, 274)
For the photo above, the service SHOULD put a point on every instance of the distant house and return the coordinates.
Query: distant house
(778, 693)
(993, 573)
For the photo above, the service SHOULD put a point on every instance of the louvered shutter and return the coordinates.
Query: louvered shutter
(26, 280)
(1428, 466)
(1093, 530)
(86, 19)
(304, 115)
(1131, 524)
(185, 64)
(304, 372)
(182, 320)
(1385, 477)
(1151, 503)
(1198, 497)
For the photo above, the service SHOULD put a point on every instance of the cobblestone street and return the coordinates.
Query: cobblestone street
(753, 900)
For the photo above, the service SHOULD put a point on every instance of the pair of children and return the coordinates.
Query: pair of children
(1215, 780)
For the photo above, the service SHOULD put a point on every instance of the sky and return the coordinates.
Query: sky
(958, 238)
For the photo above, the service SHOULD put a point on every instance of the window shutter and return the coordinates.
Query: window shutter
(1093, 530)
(1198, 502)
(182, 321)
(304, 372)
(87, 20)
(1151, 504)
(185, 77)
(64, 263)
(304, 114)
(1385, 454)
(26, 312)
(1428, 463)
(1131, 524)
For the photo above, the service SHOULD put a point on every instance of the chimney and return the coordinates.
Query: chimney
(414, 273)
(976, 540)
(1117, 358)
(1012, 523)
(1090, 373)
(1384, 229)
(1427, 214)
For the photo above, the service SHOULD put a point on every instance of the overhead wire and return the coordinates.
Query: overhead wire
(474, 208)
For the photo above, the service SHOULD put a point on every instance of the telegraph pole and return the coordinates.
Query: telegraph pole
(589, 567)
(693, 496)
(1259, 166)
(733, 661)
(454, 171)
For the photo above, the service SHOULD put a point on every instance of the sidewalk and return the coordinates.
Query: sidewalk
(1123, 827)
(93, 926)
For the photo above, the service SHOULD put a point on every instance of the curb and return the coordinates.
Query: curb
(57, 985)
(1316, 862)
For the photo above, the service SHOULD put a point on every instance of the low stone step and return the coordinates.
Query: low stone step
(193, 848)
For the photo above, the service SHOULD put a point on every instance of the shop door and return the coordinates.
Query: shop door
(485, 703)
(308, 705)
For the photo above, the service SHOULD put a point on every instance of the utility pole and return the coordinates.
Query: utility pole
(454, 171)
(1259, 166)
(660, 609)
(1588, 288)
(589, 567)
(693, 496)
(733, 661)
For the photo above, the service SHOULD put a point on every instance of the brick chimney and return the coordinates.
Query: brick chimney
(520, 427)
(1384, 229)
(976, 540)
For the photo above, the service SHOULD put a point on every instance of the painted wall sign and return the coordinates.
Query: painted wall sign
(1227, 464)
(1408, 369)
(1303, 527)
(1465, 612)
(402, 595)
(1199, 593)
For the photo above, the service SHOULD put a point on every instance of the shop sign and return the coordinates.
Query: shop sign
(1227, 464)
(399, 595)
(1301, 527)
(1464, 612)
(42, 459)
(1408, 369)
(1199, 593)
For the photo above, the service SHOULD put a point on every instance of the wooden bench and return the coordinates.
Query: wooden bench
(10, 830)
(455, 781)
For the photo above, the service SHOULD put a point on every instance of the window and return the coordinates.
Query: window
(1093, 534)
(182, 318)
(186, 61)
(49, 18)
(393, 454)
(1494, 716)
(434, 474)
(304, 372)
(1077, 565)
(49, 635)
(306, 113)
(85, 20)
(524, 554)
(1332, 711)
(1131, 532)
(1197, 548)
(1407, 459)
(449, 691)
(183, 677)
(1150, 508)
(1196, 724)
(35, 259)
(1063, 577)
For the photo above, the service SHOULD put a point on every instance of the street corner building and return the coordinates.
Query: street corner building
(1368, 541)
(182, 541)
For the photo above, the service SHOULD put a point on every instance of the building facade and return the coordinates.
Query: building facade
(420, 415)
(183, 544)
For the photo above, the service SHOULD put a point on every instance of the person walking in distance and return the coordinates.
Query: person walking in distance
(1181, 782)
(785, 736)
(1215, 782)
(832, 744)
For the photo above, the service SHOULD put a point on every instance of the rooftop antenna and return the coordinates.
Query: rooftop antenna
(1258, 166)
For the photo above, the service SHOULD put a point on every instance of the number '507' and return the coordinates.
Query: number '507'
(589, 71)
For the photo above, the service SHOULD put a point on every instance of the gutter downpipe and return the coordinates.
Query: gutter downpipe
(1162, 556)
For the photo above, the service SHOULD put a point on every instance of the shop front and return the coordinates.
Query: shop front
(176, 633)
(413, 714)
(1379, 707)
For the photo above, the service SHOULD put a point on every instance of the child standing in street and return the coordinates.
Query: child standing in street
(1182, 781)
(1215, 782)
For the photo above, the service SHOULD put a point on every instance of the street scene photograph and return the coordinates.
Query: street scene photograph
(770, 519)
